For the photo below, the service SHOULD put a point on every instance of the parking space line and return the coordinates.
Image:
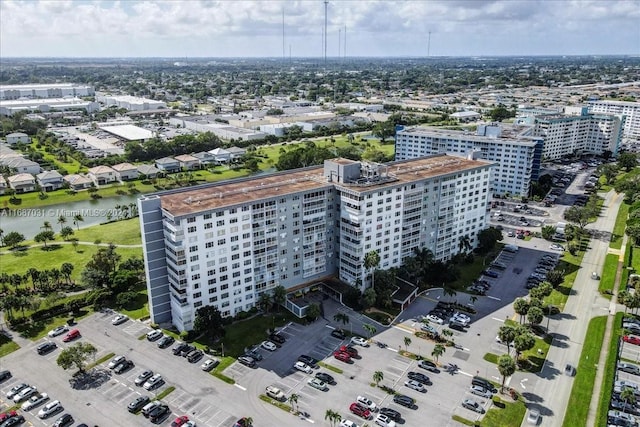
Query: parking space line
(240, 387)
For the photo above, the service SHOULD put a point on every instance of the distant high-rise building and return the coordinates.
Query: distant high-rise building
(226, 244)
(631, 110)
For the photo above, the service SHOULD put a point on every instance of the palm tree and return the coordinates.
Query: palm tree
(293, 400)
(628, 395)
(377, 377)
(407, 343)
(341, 317)
(370, 329)
(507, 334)
(506, 367)
(62, 221)
(464, 245)
(332, 416)
(264, 301)
(521, 307)
(279, 296)
(438, 351)
(77, 219)
(371, 261)
(66, 269)
(448, 291)
(46, 226)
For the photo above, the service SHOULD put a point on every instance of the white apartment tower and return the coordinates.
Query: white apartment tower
(516, 155)
(631, 110)
(225, 244)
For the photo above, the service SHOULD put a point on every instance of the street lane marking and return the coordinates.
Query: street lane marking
(404, 328)
(464, 373)
(499, 320)
(493, 298)
(240, 387)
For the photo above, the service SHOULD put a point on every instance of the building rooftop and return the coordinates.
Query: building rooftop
(512, 134)
(128, 132)
(215, 196)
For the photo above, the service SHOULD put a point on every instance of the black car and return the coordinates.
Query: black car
(403, 400)
(178, 349)
(421, 378)
(186, 350)
(391, 413)
(138, 404)
(64, 421)
(5, 375)
(166, 341)
(482, 382)
(308, 360)
(158, 413)
(13, 421)
(322, 376)
(429, 366)
(337, 333)
(123, 367)
(194, 356)
(47, 347)
(277, 338)
(247, 361)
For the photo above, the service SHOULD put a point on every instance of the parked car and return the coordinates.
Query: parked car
(404, 400)
(472, 405)
(352, 352)
(556, 247)
(195, 356)
(491, 273)
(159, 413)
(303, 367)
(188, 348)
(342, 356)
(247, 361)
(180, 421)
(533, 417)
(58, 331)
(72, 335)
(149, 407)
(415, 385)
(153, 382)
(24, 394)
(360, 341)
(308, 360)
(64, 421)
(629, 368)
(46, 348)
(360, 410)
(49, 409)
(166, 341)
(5, 375)
(6, 415)
(16, 389)
(318, 384)
(417, 376)
(277, 338)
(429, 366)
(13, 421)
(347, 423)
(391, 413)
(631, 339)
(209, 364)
(119, 319)
(482, 382)
(154, 335)
(143, 377)
(138, 403)
(35, 401)
(178, 348)
(367, 403)
(435, 319)
(275, 393)
(384, 421)
(337, 333)
(322, 376)
(116, 361)
(124, 367)
(268, 345)
(480, 391)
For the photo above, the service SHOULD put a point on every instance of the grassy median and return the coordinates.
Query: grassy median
(610, 368)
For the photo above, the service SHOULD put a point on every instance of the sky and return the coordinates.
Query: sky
(238, 28)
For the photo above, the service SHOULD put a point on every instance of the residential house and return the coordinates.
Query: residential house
(78, 182)
(148, 170)
(101, 175)
(125, 171)
(22, 165)
(220, 155)
(205, 158)
(3, 185)
(188, 162)
(16, 137)
(236, 152)
(168, 164)
(50, 180)
(22, 183)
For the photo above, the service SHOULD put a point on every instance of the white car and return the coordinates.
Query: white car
(34, 401)
(435, 319)
(116, 361)
(143, 377)
(15, 390)
(154, 335)
(153, 382)
(189, 423)
(58, 331)
(385, 421)
(119, 319)
(555, 247)
(461, 317)
(24, 394)
(415, 385)
(209, 364)
(360, 341)
(318, 384)
(367, 403)
(534, 417)
(268, 345)
(480, 391)
(50, 409)
(348, 423)
(303, 367)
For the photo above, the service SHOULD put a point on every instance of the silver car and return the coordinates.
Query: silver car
(480, 391)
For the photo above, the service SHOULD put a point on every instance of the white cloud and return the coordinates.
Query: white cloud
(254, 28)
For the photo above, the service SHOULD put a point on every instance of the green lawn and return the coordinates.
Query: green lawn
(570, 264)
(36, 330)
(138, 309)
(7, 346)
(20, 261)
(583, 383)
(608, 278)
(619, 227)
(126, 232)
(609, 371)
(535, 359)
(511, 415)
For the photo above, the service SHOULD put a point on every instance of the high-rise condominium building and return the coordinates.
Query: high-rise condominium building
(631, 110)
(225, 244)
(516, 155)
(582, 133)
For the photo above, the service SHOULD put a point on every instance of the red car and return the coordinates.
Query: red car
(72, 335)
(360, 410)
(179, 421)
(342, 356)
(352, 352)
(5, 416)
(631, 339)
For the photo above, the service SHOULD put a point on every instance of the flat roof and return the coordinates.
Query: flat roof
(509, 135)
(128, 132)
(233, 193)
(42, 86)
